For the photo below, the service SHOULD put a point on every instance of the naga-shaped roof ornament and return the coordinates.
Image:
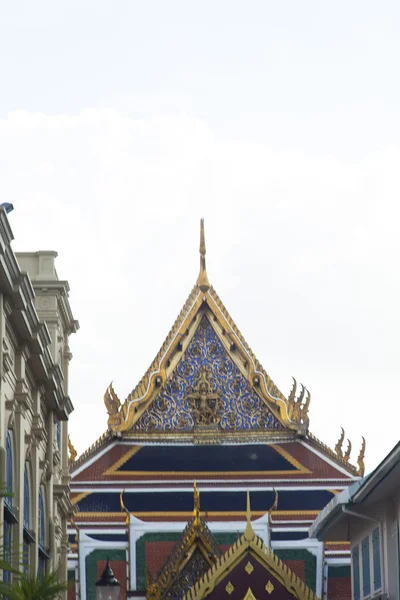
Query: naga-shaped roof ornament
(202, 280)
(72, 452)
(360, 459)
(339, 444)
(346, 457)
(124, 509)
(298, 407)
(273, 507)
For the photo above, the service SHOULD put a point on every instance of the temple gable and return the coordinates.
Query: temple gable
(207, 390)
(250, 570)
(194, 553)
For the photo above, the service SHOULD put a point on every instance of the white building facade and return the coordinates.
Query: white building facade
(35, 324)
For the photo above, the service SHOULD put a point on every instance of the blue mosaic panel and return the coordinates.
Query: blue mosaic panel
(239, 407)
(211, 501)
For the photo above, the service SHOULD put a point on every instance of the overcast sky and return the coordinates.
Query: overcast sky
(122, 123)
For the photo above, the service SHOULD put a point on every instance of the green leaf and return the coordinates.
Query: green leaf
(31, 587)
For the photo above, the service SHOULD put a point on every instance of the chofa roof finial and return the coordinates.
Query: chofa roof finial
(202, 280)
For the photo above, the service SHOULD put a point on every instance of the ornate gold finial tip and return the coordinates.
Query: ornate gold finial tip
(202, 238)
(249, 531)
(202, 280)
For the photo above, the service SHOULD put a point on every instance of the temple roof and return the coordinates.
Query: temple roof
(206, 383)
(204, 308)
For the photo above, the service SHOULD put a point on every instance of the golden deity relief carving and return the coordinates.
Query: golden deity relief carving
(203, 402)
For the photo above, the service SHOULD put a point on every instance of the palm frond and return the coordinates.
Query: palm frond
(30, 587)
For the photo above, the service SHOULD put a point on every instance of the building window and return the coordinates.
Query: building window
(365, 562)
(42, 536)
(9, 518)
(7, 548)
(366, 566)
(376, 558)
(58, 434)
(27, 519)
(9, 471)
(28, 539)
(355, 557)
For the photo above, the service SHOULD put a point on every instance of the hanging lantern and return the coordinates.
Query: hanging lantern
(108, 587)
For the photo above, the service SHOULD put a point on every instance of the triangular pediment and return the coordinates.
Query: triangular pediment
(194, 553)
(249, 569)
(206, 391)
(205, 375)
(205, 379)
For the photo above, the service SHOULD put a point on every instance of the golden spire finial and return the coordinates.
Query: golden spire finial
(249, 531)
(202, 280)
(196, 504)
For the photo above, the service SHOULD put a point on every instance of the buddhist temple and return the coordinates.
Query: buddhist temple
(207, 419)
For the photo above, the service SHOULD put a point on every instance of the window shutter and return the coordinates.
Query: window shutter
(27, 502)
(356, 572)
(376, 555)
(366, 576)
(9, 469)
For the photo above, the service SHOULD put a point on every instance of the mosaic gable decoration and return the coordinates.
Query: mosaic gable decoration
(195, 552)
(206, 389)
(200, 400)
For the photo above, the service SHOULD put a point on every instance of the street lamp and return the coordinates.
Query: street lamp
(107, 587)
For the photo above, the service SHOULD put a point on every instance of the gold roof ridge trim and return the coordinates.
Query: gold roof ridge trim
(277, 568)
(331, 454)
(120, 420)
(153, 369)
(269, 389)
(97, 445)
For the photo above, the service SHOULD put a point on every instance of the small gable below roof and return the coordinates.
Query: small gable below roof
(193, 555)
(248, 571)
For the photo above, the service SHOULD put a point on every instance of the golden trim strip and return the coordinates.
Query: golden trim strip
(80, 497)
(121, 461)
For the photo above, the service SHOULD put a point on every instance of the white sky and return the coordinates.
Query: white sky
(122, 123)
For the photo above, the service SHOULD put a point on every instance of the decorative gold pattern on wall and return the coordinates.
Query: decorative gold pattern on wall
(249, 595)
(229, 588)
(269, 587)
